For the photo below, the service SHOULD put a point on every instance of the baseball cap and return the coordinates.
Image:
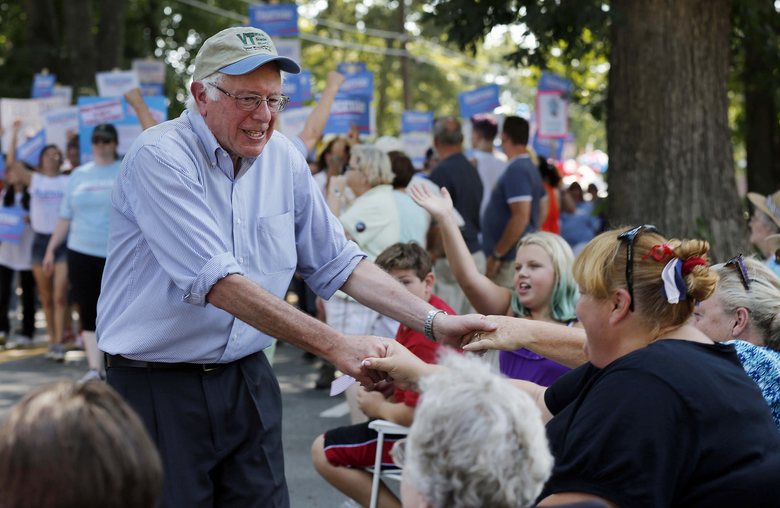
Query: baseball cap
(105, 131)
(237, 51)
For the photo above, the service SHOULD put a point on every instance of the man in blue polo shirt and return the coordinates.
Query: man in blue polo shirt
(518, 204)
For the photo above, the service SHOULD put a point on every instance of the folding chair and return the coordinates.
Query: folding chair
(383, 427)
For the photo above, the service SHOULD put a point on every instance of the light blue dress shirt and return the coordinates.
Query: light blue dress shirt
(181, 221)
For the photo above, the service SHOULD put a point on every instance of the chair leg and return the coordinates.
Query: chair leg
(377, 468)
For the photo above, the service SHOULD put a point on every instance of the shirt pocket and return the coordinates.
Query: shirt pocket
(276, 238)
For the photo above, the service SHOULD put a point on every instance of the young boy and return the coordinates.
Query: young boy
(339, 454)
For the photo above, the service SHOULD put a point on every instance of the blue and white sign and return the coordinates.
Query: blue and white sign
(481, 100)
(298, 88)
(416, 144)
(2, 166)
(417, 121)
(30, 150)
(552, 82)
(347, 68)
(116, 83)
(11, 224)
(291, 48)
(60, 124)
(97, 110)
(277, 20)
(346, 109)
(43, 85)
(361, 83)
(151, 76)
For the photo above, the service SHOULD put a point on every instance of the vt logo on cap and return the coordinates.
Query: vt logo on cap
(254, 41)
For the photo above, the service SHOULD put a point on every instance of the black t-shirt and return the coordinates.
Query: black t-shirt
(676, 423)
(463, 182)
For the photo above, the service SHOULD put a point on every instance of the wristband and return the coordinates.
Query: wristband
(429, 322)
(495, 255)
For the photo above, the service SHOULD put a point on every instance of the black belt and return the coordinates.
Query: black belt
(121, 361)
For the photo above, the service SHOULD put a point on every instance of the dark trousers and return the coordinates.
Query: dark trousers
(7, 285)
(219, 433)
(86, 272)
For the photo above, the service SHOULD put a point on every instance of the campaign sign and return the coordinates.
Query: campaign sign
(58, 123)
(291, 48)
(30, 150)
(153, 89)
(552, 82)
(277, 20)
(11, 224)
(348, 108)
(64, 92)
(96, 110)
(28, 110)
(149, 71)
(298, 88)
(347, 68)
(417, 121)
(552, 115)
(43, 85)
(116, 84)
(361, 83)
(481, 100)
(416, 144)
(2, 166)
(292, 121)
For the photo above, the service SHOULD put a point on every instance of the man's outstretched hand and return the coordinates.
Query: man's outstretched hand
(352, 350)
(454, 331)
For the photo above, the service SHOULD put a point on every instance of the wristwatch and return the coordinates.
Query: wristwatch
(495, 255)
(429, 322)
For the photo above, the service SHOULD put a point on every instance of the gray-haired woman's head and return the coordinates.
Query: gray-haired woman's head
(373, 163)
(476, 441)
(762, 301)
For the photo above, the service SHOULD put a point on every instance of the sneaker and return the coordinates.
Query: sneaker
(92, 375)
(19, 342)
(78, 344)
(68, 337)
(57, 352)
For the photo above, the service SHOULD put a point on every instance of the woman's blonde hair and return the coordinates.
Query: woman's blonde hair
(600, 269)
(762, 301)
(373, 163)
(565, 294)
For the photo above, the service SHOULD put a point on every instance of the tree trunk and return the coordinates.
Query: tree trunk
(761, 141)
(42, 35)
(77, 19)
(111, 35)
(671, 161)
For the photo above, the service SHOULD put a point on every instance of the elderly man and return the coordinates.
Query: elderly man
(212, 214)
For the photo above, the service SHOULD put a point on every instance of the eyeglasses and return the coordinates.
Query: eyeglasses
(630, 235)
(275, 103)
(739, 263)
(102, 141)
(398, 453)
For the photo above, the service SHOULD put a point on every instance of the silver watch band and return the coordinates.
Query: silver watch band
(429, 322)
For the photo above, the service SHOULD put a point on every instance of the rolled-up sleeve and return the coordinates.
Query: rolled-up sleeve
(325, 257)
(168, 203)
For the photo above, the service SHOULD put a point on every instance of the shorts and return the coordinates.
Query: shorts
(40, 242)
(355, 446)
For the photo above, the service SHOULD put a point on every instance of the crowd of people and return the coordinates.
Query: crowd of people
(592, 367)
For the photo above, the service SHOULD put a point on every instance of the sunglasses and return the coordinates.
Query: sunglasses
(738, 262)
(102, 141)
(630, 235)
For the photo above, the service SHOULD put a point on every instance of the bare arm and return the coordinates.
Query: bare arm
(374, 405)
(537, 393)
(136, 100)
(57, 237)
(374, 288)
(486, 296)
(336, 186)
(544, 209)
(252, 304)
(568, 498)
(556, 342)
(315, 124)
(16, 172)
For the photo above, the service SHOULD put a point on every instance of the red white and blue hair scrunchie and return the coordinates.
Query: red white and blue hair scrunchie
(673, 289)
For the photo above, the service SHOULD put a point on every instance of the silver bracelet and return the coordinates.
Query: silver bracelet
(429, 322)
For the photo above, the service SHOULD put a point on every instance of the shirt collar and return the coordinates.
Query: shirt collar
(214, 150)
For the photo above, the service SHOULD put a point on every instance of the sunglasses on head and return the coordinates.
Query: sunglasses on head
(738, 262)
(102, 141)
(630, 235)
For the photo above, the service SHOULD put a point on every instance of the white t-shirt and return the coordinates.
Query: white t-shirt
(17, 256)
(46, 193)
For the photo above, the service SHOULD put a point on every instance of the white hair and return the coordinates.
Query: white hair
(762, 301)
(374, 163)
(212, 93)
(476, 440)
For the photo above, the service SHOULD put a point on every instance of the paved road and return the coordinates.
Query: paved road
(301, 420)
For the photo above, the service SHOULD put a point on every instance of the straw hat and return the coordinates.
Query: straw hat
(770, 205)
(773, 242)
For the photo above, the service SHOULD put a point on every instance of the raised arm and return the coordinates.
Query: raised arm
(136, 100)
(57, 237)
(559, 343)
(315, 124)
(16, 172)
(484, 295)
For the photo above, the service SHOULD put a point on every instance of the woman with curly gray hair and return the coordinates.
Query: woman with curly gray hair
(476, 441)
